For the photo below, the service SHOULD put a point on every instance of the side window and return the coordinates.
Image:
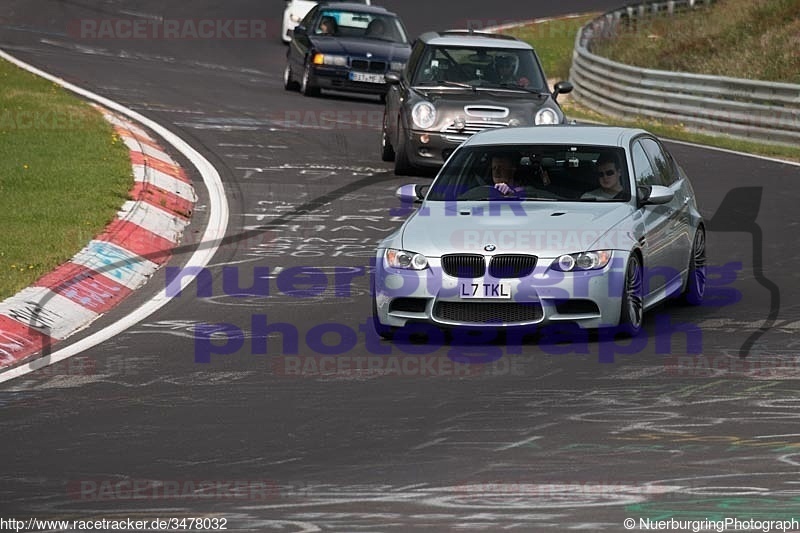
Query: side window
(643, 170)
(661, 163)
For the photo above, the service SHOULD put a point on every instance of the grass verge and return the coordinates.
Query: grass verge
(63, 176)
(554, 41)
(752, 39)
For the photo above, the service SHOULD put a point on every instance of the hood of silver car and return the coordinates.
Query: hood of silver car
(500, 227)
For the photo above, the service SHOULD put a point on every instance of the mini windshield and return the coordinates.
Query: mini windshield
(534, 173)
(480, 67)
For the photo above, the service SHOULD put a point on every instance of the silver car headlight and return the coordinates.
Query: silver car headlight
(423, 114)
(295, 18)
(405, 259)
(397, 66)
(545, 116)
(582, 261)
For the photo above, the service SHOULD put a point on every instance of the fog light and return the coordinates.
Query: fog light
(424, 138)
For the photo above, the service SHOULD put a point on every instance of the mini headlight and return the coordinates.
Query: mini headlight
(583, 261)
(397, 66)
(405, 260)
(423, 114)
(545, 116)
(295, 18)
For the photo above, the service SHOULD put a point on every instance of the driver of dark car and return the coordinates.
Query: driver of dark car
(327, 26)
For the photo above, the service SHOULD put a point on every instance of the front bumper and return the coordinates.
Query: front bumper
(434, 152)
(339, 79)
(590, 299)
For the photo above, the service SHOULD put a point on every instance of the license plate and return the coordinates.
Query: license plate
(501, 290)
(368, 78)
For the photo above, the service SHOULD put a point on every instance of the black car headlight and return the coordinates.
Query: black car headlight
(582, 261)
(423, 114)
(405, 259)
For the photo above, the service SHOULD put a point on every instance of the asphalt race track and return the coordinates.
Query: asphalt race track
(157, 423)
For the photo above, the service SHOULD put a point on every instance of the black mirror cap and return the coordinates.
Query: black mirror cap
(300, 30)
(562, 87)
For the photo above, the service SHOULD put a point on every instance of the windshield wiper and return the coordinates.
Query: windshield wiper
(447, 83)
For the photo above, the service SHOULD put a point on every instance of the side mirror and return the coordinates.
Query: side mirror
(392, 78)
(412, 193)
(300, 30)
(655, 195)
(562, 87)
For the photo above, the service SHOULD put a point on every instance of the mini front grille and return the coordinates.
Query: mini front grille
(472, 127)
(488, 312)
(464, 265)
(368, 66)
(512, 266)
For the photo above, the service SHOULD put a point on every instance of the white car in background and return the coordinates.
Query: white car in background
(296, 10)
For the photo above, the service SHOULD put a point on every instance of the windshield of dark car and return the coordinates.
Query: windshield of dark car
(539, 173)
(343, 23)
(480, 67)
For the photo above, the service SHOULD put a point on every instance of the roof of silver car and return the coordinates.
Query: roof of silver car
(470, 38)
(560, 134)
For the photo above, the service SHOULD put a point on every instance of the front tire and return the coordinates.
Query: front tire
(387, 150)
(696, 278)
(306, 86)
(632, 304)
(288, 83)
(402, 166)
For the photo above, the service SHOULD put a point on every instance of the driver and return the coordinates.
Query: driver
(504, 170)
(505, 67)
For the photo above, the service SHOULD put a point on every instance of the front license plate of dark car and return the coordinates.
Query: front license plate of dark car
(368, 78)
(498, 290)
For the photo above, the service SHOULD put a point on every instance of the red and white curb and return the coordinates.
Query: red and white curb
(114, 264)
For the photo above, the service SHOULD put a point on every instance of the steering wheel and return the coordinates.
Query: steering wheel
(483, 192)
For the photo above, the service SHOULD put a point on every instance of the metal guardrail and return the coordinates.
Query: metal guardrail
(755, 110)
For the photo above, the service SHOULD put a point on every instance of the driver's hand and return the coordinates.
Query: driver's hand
(523, 82)
(504, 188)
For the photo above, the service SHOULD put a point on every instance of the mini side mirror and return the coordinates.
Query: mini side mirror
(562, 87)
(392, 78)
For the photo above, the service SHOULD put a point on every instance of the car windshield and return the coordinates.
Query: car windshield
(343, 23)
(534, 173)
(481, 67)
